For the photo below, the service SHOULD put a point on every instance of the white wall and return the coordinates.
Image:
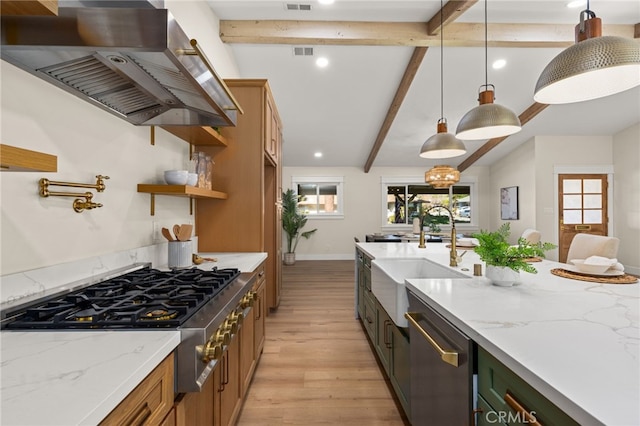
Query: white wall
(626, 196)
(516, 169)
(36, 115)
(362, 207)
(531, 167)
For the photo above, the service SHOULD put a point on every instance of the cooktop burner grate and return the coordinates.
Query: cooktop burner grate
(145, 298)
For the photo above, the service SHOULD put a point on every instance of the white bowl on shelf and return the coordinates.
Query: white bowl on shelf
(192, 179)
(589, 268)
(176, 177)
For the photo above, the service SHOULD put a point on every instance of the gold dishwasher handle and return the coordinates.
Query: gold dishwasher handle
(448, 356)
(519, 408)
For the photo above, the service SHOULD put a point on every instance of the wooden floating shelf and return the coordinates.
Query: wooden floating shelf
(197, 135)
(29, 7)
(13, 159)
(181, 190)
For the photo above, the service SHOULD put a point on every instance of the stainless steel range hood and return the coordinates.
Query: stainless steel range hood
(136, 63)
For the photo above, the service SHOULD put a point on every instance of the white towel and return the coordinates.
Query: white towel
(617, 267)
(599, 260)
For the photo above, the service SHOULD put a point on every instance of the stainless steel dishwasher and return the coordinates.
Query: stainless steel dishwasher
(443, 364)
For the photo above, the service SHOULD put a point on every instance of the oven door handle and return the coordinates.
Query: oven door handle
(448, 356)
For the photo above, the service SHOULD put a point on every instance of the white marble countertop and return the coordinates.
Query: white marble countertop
(77, 377)
(246, 262)
(74, 378)
(576, 342)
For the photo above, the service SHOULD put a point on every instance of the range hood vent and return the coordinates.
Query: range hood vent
(135, 63)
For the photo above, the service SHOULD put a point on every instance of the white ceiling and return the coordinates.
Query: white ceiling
(339, 110)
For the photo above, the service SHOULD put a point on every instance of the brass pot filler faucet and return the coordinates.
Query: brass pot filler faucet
(79, 205)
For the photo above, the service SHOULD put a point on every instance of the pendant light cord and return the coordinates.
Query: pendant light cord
(486, 57)
(441, 64)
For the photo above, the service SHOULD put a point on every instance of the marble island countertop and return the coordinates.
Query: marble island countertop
(79, 377)
(576, 342)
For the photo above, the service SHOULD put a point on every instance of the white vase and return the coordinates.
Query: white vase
(502, 276)
(289, 258)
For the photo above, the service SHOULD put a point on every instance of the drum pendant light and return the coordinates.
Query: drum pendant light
(442, 177)
(442, 144)
(594, 67)
(487, 120)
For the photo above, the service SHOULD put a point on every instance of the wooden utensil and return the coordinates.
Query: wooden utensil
(199, 260)
(185, 232)
(167, 234)
(176, 231)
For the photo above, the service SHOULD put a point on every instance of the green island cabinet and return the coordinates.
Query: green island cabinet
(391, 343)
(506, 399)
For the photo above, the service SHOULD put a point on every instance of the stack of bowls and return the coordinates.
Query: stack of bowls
(176, 177)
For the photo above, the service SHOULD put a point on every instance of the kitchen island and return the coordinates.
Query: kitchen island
(79, 377)
(575, 342)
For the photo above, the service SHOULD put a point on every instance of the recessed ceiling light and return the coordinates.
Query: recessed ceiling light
(322, 62)
(576, 3)
(500, 63)
(325, 1)
(317, 154)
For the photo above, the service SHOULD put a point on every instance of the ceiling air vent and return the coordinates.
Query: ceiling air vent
(297, 6)
(303, 51)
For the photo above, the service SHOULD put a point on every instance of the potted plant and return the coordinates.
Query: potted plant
(504, 261)
(292, 222)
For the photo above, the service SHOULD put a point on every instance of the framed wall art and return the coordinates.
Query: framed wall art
(509, 203)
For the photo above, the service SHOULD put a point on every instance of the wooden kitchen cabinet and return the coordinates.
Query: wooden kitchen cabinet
(360, 278)
(247, 350)
(273, 132)
(196, 408)
(259, 312)
(149, 402)
(249, 219)
(391, 343)
(511, 399)
(392, 346)
(228, 385)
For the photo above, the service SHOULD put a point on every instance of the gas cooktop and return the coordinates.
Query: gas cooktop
(144, 298)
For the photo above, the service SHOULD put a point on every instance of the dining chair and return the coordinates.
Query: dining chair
(585, 245)
(531, 235)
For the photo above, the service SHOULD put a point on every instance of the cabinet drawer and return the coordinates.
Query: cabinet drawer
(149, 402)
(487, 416)
(369, 316)
(504, 391)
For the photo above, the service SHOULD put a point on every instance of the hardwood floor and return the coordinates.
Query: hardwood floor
(317, 366)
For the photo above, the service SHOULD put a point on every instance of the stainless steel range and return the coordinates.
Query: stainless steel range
(204, 305)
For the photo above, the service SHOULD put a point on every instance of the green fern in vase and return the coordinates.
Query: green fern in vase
(494, 249)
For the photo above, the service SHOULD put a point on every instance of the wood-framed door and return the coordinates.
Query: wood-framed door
(582, 206)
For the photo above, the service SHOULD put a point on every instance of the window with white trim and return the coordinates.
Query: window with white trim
(321, 197)
(402, 198)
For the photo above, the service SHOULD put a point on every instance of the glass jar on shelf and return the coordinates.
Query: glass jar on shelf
(209, 172)
(202, 169)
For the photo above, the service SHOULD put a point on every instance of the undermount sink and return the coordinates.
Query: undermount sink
(387, 282)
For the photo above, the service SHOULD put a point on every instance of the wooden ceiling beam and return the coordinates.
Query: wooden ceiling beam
(528, 115)
(414, 34)
(403, 88)
(450, 12)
